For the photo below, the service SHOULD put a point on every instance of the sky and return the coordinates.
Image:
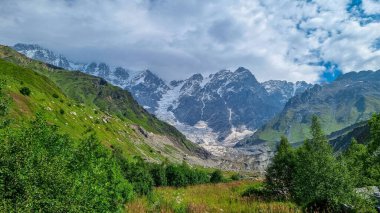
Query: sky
(288, 39)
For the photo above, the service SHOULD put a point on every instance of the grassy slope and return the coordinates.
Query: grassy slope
(222, 197)
(90, 105)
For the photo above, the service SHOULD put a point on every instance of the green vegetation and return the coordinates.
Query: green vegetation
(216, 176)
(279, 176)
(44, 171)
(25, 91)
(221, 197)
(316, 179)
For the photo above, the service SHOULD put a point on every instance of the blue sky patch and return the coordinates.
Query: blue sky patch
(332, 71)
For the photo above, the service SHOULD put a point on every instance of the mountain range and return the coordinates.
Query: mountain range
(216, 110)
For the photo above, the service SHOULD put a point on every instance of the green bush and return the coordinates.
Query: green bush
(257, 191)
(216, 176)
(158, 172)
(235, 177)
(55, 95)
(25, 91)
(43, 171)
(61, 111)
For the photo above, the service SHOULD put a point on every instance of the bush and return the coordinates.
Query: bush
(235, 177)
(55, 95)
(61, 111)
(158, 174)
(258, 191)
(42, 171)
(25, 91)
(216, 176)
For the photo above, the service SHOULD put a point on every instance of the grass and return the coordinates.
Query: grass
(222, 197)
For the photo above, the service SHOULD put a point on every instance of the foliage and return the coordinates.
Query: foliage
(235, 177)
(373, 171)
(43, 171)
(355, 158)
(138, 174)
(25, 91)
(158, 172)
(315, 178)
(216, 176)
(319, 178)
(279, 175)
(257, 190)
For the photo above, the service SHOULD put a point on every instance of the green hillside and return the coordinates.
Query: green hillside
(351, 99)
(81, 104)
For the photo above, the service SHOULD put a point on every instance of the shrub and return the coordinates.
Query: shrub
(235, 177)
(61, 111)
(55, 95)
(258, 191)
(25, 91)
(158, 174)
(216, 176)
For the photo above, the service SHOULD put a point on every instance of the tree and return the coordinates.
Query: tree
(320, 182)
(373, 168)
(356, 157)
(216, 176)
(279, 176)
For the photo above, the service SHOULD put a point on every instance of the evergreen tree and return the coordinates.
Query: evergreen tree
(279, 176)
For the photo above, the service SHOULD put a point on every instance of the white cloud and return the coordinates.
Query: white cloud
(371, 7)
(275, 39)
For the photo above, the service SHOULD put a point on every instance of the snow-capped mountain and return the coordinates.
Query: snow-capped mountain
(216, 110)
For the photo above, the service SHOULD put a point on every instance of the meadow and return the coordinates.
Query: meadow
(221, 197)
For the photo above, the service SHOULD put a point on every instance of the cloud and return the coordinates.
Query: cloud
(371, 6)
(288, 39)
